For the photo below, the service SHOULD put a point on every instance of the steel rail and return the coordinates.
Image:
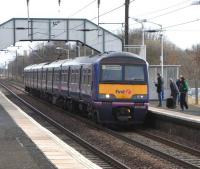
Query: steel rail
(151, 149)
(113, 162)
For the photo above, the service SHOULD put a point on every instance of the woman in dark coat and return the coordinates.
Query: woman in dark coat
(183, 89)
(174, 91)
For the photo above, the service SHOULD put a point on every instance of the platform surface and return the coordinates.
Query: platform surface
(25, 144)
(191, 114)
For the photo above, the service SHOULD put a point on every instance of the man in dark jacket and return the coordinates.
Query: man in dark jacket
(183, 88)
(160, 89)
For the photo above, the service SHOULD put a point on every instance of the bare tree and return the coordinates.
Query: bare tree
(195, 54)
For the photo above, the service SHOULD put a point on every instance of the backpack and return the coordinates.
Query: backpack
(186, 88)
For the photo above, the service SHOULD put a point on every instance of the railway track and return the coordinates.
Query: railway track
(176, 153)
(94, 154)
(171, 151)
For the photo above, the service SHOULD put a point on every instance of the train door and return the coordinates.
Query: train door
(53, 78)
(37, 80)
(80, 82)
(46, 74)
(68, 79)
(60, 79)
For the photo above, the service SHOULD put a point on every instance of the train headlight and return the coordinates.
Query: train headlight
(140, 96)
(106, 96)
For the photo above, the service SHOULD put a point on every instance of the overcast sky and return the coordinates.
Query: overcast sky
(164, 12)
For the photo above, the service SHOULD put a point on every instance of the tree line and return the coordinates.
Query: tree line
(189, 59)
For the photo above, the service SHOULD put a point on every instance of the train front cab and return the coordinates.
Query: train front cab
(122, 95)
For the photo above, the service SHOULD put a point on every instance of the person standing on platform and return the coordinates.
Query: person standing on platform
(174, 91)
(178, 85)
(160, 89)
(183, 89)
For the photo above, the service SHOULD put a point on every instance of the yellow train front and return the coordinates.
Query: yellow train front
(121, 89)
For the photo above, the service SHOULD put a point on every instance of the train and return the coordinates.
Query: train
(110, 88)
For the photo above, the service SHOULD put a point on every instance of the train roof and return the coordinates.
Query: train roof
(35, 66)
(84, 60)
(39, 66)
(29, 67)
(55, 64)
(96, 58)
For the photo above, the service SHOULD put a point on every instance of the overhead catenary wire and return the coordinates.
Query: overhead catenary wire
(112, 10)
(103, 14)
(163, 9)
(82, 8)
(170, 12)
(166, 28)
(183, 30)
(183, 23)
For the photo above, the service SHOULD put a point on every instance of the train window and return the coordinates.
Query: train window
(44, 75)
(77, 77)
(49, 76)
(38, 75)
(65, 76)
(89, 76)
(57, 76)
(111, 73)
(134, 73)
(83, 77)
(89, 79)
(72, 76)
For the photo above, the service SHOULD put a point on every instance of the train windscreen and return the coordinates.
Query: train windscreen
(135, 73)
(111, 72)
(122, 73)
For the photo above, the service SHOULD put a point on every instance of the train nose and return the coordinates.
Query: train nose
(123, 113)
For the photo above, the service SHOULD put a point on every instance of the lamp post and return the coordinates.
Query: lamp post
(141, 21)
(161, 41)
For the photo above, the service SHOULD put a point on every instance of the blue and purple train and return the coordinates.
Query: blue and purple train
(111, 88)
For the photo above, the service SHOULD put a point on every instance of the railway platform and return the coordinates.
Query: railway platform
(183, 124)
(26, 144)
(193, 112)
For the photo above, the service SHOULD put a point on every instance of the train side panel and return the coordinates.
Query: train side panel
(74, 82)
(64, 84)
(86, 83)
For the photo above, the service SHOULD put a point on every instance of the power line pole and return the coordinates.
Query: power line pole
(98, 3)
(127, 2)
(27, 1)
